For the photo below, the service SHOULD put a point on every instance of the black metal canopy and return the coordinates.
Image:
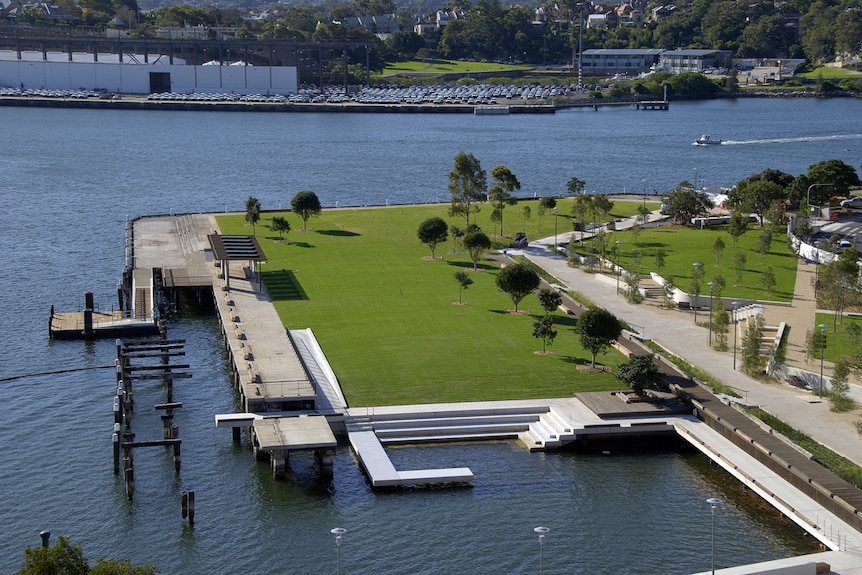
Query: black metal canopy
(233, 248)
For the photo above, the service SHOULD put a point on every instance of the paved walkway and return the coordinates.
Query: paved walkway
(676, 331)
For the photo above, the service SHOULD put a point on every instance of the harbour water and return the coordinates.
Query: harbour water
(69, 179)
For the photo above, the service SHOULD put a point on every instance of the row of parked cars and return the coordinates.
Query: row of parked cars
(67, 94)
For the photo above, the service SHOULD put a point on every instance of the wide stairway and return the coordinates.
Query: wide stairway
(538, 428)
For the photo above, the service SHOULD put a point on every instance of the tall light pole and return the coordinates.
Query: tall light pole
(556, 211)
(711, 286)
(338, 532)
(713, 503)
(580, 47)
(696, 285)
(542, 531)
(735, 331)
(618, 243)
(822, 327)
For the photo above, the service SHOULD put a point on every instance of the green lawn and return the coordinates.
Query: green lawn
(838, 342)
(684, 246)
(446, 67)
(829, 73)
(388, 320)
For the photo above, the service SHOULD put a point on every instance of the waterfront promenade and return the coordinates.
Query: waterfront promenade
(676, 331)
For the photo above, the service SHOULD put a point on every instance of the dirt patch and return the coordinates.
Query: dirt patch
(543, 353)
(432, 259)
(590, 369)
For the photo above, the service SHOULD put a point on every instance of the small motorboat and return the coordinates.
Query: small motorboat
(706, 140)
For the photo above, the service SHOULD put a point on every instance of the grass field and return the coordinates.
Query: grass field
(433, 67)
(829, 73)
(838, 342)
(685, 246)
(388, 319)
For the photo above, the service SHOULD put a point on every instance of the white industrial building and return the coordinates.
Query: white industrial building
(138, 74)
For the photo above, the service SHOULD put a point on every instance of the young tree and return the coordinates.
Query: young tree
(659, 260)
(739, 266)
(546, 204)
(639, 372)
(279, 225)
(503, 185)
(764, 242)
(457, 235)
(718, 249)
(603, 205)
(517, 281)
(737, 226)
(767, 279)
(575, 186)
(668, 291)
(720, 323)
(306, 204)
(476, 243)
(544, 329)
(433, 231)
(464, 281)
(526, 213)
(752, 362)
(583, 205)
(468, 185)
(839, 394)
(633, 281)
(549, 299)
(597, 328)
(252, 213)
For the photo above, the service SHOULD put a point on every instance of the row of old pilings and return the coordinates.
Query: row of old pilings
(147, 360)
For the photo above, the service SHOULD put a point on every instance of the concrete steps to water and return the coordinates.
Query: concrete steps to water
(537, 428)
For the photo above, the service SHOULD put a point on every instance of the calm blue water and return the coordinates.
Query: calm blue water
(70, 179)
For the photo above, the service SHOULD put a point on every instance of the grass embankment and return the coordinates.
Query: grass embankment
(436, 67)
(388, 318)
(829, 73)
(683, 246)
(839, 341)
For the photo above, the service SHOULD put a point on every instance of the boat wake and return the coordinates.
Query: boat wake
(836, 137)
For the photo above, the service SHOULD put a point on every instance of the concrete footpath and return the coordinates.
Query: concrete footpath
(677, 332)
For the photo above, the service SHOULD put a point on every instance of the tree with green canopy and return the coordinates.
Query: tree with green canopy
(64, 558)
(639, 372)
(503, 185)
(684, 203)
(468, 185)
(432, 232)
(550, 299)
(517, 281)
(476, 243)
(252, 213)
(756, 196)
(279, 225)
(306, 204)
(464, 281)
(544, 329)
(597, 329)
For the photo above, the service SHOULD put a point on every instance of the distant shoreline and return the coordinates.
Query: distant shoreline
(139, 102)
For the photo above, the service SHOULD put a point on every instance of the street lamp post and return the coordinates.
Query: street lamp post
(542, 531)
(713, 503)
(711, 286)
(696, 285)
(556, 211)
(618, 243)
(822, 327)
(338, 532)
(735, 331)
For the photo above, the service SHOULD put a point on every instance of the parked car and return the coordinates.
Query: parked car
(852, 203)
(520, 241)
